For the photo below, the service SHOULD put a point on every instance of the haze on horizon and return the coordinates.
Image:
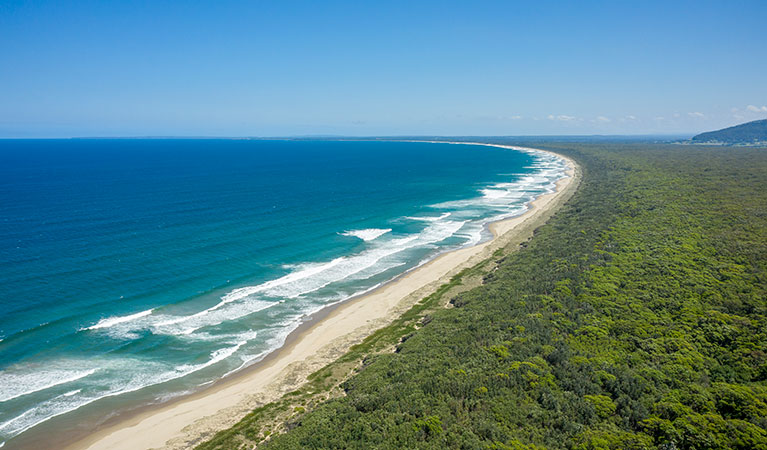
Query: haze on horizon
(244, 68)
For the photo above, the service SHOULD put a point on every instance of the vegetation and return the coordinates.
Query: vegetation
(635, 319)
(754, 132)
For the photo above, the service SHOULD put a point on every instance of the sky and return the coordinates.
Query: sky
(442, 67)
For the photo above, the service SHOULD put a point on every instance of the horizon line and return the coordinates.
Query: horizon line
(344, 136)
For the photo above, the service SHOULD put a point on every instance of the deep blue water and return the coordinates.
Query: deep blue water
(133, 270)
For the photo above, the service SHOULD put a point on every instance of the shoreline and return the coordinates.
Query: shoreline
(323, 337)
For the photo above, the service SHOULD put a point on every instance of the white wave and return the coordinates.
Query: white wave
(49, 409)
(278, 340)
(430, 218)
(493, 194)
(305, 271)
(506, 196)
(388, 256)
(247, 360)
(150, 374)
(368, 234)
(112, 321)
(71, 393)
(473, 234)
(171, 395)
(42, 412)
(311, 277)
(300, 281)
(304, 279)
(14, 385)
(185, 325)
(362, 263)
(215, 357)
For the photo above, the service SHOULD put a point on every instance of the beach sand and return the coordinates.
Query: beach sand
(192, 419)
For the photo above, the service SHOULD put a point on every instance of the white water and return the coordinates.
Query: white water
(368, 234)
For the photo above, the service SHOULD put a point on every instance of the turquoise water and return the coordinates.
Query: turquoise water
(132, 271)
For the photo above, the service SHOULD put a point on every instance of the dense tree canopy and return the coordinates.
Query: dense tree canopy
(746, 133)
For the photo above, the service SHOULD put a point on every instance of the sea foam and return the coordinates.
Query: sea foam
(429, 218)
(14, 385)
(300, 281)
(112, 321)
(368, 234)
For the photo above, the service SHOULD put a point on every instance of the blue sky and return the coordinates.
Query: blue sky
(269, 68)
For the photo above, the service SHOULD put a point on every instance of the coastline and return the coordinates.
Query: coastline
(325, 336)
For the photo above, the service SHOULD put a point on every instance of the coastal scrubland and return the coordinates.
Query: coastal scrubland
(636, 318)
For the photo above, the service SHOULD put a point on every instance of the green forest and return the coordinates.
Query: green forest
(754, 132)
(636, 318)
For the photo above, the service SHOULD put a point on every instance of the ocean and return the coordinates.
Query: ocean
(133, 271)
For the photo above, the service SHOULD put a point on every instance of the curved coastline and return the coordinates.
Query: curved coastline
(324, 337)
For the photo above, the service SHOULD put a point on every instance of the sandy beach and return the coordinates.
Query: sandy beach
(189, 420)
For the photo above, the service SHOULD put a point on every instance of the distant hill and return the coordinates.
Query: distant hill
(747, 133)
